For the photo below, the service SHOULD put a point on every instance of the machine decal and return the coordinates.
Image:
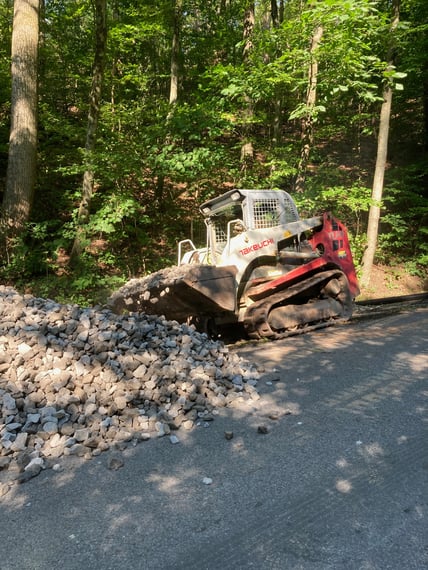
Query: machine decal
(256, 246)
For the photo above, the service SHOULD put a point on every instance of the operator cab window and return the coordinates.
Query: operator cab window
(266, 213)
(220, 220)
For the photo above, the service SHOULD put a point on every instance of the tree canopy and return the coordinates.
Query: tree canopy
(156, 157)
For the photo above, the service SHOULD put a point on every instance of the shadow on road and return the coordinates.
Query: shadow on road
(337, 477)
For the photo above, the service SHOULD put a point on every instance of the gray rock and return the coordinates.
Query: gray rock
(28, 474)
(9, 403)
(4, 462)
(20, 442)
(115, 462)
(48, 413)
(13, 426)
(4, 488)
(81, 434)
(34, 462)
(50, 427)
(33, 418)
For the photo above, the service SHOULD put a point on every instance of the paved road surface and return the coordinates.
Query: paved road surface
(340, 481)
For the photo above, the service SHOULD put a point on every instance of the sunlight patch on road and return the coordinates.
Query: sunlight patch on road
(343, 486)
(373, 450)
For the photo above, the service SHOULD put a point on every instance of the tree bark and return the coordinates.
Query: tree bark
(425, 103)
(274, 13)
(277, 19)
(21, 170)
(378, 179)
(281, 11)
(307, 134)
(175, 54)
(247, 148)
(173, 93)
(91, 130)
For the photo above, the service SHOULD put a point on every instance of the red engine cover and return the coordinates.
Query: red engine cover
(331, 241)
(333, 244)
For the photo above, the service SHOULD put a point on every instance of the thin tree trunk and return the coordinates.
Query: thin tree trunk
(307, 134)
(116, 125)
(381, 158)
(247, 149)
(91, 131)
(281, 11)
(173, 93)
(274, 13)
(21, 171)
(425, 103)
(175, 54)
(277, 19)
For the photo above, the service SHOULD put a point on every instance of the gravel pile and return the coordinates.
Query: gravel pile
(81, 381)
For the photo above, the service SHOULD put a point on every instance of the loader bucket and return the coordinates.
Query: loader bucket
(180, 292)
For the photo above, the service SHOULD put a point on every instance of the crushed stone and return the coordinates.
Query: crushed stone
(80, 381)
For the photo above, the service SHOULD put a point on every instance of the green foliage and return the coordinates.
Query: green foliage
(153, 165)
(86, 289)
(113, 214)
(348, 203)
(404, 224)
(26, 255)
(33, 265)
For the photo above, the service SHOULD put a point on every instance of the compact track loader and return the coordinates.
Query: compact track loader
(262, 267)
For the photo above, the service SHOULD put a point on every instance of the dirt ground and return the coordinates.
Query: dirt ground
(393, 281)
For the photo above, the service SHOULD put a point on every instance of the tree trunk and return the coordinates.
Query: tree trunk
(425, 103)
(281, 11)
(91, 130)
(247, 149)
(307, 135)
(173, 94)
(381, 157)
(175, 54)
(274, 13)
(277, 19)
(21, 170)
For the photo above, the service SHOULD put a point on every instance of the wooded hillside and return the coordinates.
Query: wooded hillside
(119, 117)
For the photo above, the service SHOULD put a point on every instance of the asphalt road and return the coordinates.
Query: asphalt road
(340, 481)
